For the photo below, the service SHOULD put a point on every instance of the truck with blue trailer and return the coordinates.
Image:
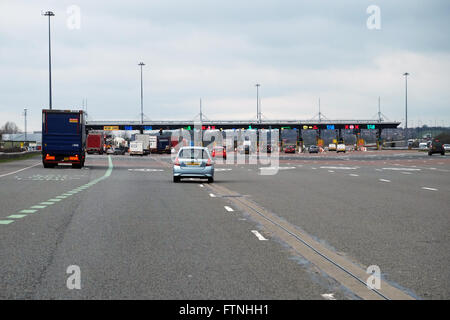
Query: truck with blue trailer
(63, 138)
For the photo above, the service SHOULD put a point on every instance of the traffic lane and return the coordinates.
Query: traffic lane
(140, 236)
(411, 178)
(371, 222)
(31, 187)
(28, 245)
(10, 167)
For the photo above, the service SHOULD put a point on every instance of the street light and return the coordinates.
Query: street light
(141, 64)
(49, 14)
(258, 112)
(406, 74)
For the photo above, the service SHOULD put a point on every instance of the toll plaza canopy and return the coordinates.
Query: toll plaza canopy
(243, 124)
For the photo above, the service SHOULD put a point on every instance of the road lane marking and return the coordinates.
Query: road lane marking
(27, 211)
(212, 195)
(402, 169)
(353, 175)
(339, 168)
(258, 235)
(406, 172)
(201, 186)
(384, 180)
(331, 171)
(328, 261)
(328, 296)
(229, 209)
(431, 189)
(59, 198)
(17, 216)
(7, 174)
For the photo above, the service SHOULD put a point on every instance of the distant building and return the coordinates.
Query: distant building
(20, 137)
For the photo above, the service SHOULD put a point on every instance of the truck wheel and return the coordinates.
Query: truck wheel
(76, 165)
(49, 165)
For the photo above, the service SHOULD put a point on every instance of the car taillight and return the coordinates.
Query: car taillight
(208, 163)
(49, 157)
(177, 162)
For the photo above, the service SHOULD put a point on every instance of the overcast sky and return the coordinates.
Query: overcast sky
(299, 51)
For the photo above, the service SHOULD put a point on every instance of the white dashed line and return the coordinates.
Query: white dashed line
(384, 180)
(212, 195)
(229, 209)
(201, 186)
(431, 189)
(353, 175)
(328, 296)
(258, 235)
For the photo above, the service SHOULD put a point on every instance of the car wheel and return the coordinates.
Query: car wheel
(176, 179)
(443, 153)
(210, 180)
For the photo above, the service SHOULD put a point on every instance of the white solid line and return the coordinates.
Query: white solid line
(328, 296)
(7, 174)
(212, 195)
(431, 189)
(384, 180)
(258, 235)
(228, 208)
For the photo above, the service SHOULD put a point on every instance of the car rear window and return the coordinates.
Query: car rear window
(193, 154)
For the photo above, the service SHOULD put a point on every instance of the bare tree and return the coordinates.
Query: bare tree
(9, 127)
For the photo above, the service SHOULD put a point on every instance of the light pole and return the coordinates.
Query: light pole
(49, 14)
(258, 112)
(406, 74)
(25, 116)
(141, 64)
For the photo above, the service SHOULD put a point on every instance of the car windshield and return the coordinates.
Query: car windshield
(194, 154)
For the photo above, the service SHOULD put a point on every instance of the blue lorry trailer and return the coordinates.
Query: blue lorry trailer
(63, 138)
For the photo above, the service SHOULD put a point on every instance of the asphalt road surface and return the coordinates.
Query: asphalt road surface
(134, 234)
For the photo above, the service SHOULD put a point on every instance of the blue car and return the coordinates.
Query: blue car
(193, 162)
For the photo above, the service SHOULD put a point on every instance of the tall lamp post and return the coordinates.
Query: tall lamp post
(141, 64)
(258, 112)
(25, 116)
(49, 14)
(406, 74)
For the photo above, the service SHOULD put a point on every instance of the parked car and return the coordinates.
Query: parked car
(193, 162)
(120, 150)
(313, 149)
(289, 149)
(447, 147)
(436, 147)
(110, 150)
(340, 148)
(332, 147)
(219, 152)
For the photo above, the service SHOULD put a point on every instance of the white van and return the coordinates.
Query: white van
(136, 147)
(423, 146)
